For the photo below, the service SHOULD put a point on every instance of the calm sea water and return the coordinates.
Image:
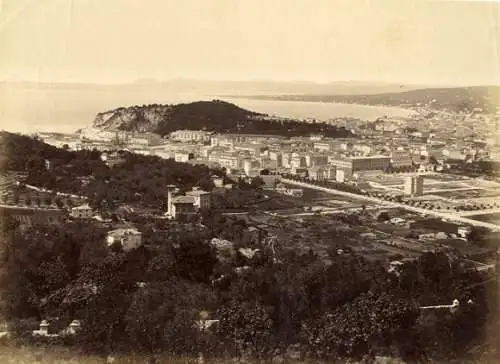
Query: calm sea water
(30, 110)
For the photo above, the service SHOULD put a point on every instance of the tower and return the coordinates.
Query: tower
(414, 185)
(171, 190)
(247, 166)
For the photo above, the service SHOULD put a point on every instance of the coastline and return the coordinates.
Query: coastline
(310, 99)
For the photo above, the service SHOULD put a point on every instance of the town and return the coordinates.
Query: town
(235, 182)
(440, 162)
(394, 194)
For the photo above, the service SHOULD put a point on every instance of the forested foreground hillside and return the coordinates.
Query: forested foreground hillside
(139, 179)
(149, 299)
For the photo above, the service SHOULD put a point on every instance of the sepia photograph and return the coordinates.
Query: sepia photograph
(249, 181)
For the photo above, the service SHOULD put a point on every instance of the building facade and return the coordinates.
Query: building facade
(190, 203)
(355, 164)
(414, 185)
(228, 161)
(200, 136)
(201, 198)
(129, 239)
(81, 212)
(183, 157)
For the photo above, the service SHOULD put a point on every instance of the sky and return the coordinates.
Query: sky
(119, 41)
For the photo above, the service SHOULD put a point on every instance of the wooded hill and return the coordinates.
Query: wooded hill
(217, 116)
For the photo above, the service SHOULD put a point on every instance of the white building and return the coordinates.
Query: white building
(322, 173)
(71, 330)
(218, 181)
(414, 185)
(182, 156)
(463, 231)
(401, 159)
(228, 161)
(129, 238)
(298, 161)
(286, 159)
(190, 203)
(323, 146)
(201, 198)
(247, 166)
(191, 135)
(341, 175)
(82, 212)
(112, 159)
(313, 160)
(295, 192)
(221, 140)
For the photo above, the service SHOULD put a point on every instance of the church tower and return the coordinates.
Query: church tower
(171, 189)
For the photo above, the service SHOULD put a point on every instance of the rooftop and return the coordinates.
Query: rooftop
(370, 157)
(197, 193)
(82, 207)
(183, 200)
(124, 231)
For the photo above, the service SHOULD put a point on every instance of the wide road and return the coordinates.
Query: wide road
(479, 212)
(443, 215)
(22, 207)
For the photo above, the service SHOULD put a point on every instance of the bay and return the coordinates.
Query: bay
(56, 109)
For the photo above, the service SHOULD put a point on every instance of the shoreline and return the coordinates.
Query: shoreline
(289, 98)
(307, 99)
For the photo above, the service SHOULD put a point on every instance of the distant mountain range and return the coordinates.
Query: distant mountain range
(360, 92)
(230, 87)
(454, 99)
(278, 87)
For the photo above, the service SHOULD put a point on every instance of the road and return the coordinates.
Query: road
(54, 192)
(326, 211)
(442, 215)
(479, 212)
(19, 207)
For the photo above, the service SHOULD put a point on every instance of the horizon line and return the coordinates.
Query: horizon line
(152, 81)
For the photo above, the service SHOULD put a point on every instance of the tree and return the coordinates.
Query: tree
(194, 260)
(383, 216)
(246, 327)
(58, 203)
(257, 183)
(478, 235)
(371, 324)
(162, 316)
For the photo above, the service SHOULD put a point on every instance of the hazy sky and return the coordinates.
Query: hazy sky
(113, 41)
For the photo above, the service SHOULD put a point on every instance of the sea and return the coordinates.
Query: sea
(34, 109)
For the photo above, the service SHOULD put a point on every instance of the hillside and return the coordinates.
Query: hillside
(139, 179)
(217, 116)
(446, 99)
